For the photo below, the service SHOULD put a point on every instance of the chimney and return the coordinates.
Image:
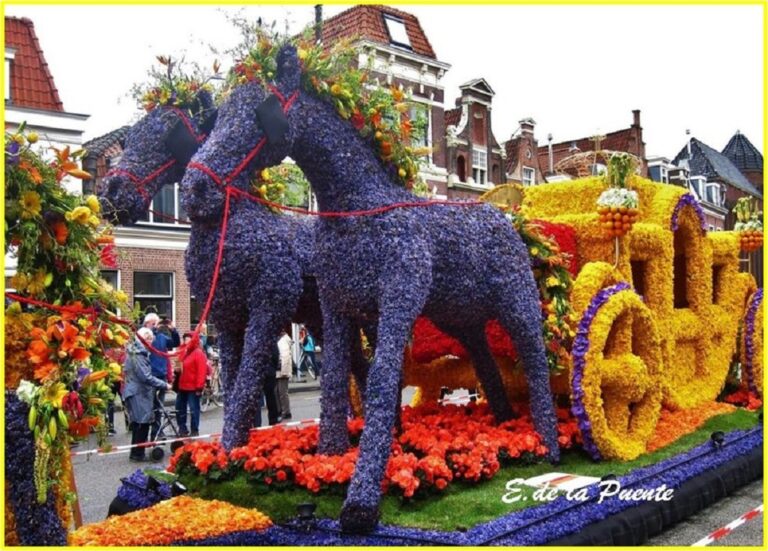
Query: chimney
(551, 154)
(318, 22)
(527, 126)
(688, 145)
(636, 117)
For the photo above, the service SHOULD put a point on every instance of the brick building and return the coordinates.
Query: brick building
(529, 163)
(475, 161)
(31, 97)
(150, 254)
(395, 45)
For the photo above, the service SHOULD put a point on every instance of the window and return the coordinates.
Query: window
(697, 186)
(664, 175)
(10, 54)
(398, 36)
(479, 165)
(153, 292)
(713, 193)
(529, 176)
(420, 123)
(461, 168)
(166, 208)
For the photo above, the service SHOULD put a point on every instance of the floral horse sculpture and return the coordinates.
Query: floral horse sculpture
(398, 258)
(265, 279)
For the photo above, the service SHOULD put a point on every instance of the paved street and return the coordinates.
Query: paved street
(99, 477)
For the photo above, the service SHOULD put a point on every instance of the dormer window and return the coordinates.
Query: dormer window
(398, 36)
(10, 53)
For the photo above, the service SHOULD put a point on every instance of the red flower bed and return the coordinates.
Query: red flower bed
(437, 445)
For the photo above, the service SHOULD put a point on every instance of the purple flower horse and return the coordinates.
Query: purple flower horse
(265, 279)
(459, 265)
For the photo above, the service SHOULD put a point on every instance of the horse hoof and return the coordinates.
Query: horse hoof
(358, 519)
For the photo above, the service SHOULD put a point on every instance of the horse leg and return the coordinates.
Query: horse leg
(230, 353)
(361, 508)
(334, 384)
(261, 336)
(521, 317)
(488, 374)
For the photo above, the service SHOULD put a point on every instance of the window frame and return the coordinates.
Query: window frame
(150, 220)
(149, 297)
(532, 181)
(10, 55)
(393, 41)
(480, 167)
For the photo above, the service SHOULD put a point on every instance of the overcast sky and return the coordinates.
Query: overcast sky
(576, 70)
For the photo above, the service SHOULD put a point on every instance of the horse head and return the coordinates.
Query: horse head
(252, 132)
(157, 150)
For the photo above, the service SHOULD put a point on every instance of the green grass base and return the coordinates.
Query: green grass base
(461, 506)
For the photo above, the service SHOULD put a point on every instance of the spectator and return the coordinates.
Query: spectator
(194, 369)
(308, 344)
(161, 364)
(140, 386)
(269, 394)
(284, 345)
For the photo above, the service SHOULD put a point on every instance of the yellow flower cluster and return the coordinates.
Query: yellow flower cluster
(757, 344)
(86, 214)
(621, 380)
(178, 519)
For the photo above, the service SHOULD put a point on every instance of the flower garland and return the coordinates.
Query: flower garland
(171, 86)
(437, 446)
(384, 115)
(598, 413)
(56, 349)
(180, 518)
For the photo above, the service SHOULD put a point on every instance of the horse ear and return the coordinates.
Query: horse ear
(288, 68)
(272, 120)
(209, 121)
(181, 143)
(205, 100)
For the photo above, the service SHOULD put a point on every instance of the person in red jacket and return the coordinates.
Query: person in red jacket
(194, 368)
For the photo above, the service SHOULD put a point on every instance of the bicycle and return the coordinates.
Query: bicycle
(212, 395)
(308, 365)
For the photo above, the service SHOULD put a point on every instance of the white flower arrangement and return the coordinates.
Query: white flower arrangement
(618, 197)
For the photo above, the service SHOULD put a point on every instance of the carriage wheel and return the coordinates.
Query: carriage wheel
(752, 342)
(615, 379)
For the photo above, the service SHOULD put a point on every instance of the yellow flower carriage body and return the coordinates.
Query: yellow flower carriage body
(664, 309)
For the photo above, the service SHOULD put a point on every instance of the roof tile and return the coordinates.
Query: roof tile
(366, 22)
(32, 84)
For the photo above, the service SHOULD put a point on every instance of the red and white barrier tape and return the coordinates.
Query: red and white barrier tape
(728, 528)
(114, 450)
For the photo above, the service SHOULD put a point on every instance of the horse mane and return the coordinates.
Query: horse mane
(381, 115)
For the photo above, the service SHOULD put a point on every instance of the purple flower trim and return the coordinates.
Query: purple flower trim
(579, 351)
(563, 519)
(532, 526)
(688, 199)
(749, 337)
(36, 524)
(135, 493)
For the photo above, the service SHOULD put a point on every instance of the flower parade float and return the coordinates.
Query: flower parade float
(658, 310)
(60, 333)
(633, 334)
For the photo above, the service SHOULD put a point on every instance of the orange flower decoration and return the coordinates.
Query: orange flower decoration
(181, 518)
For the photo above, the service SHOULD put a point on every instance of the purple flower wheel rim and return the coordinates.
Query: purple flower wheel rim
(687, 200)
(755, 302)
(581, 345)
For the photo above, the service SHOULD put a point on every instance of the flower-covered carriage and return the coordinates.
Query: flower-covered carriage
(657, 320)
